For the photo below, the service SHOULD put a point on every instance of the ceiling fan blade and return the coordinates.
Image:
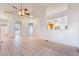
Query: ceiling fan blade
(27, 13)
(10, 12)
(25, 9)
(15, 7)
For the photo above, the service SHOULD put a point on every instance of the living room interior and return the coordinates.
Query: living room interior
(39, 29)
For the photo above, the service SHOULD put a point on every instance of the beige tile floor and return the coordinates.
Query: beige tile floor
(35, 47)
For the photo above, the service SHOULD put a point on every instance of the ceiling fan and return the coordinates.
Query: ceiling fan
(21, 11)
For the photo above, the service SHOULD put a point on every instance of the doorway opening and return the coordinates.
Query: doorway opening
(17, 31)
(31, 29)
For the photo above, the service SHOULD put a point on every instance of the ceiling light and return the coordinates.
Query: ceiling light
(21, 13)
(31, 16)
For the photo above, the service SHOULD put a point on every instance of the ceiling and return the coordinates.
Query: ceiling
(36, 9)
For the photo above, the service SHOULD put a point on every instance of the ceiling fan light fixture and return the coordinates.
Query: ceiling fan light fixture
(21, 13)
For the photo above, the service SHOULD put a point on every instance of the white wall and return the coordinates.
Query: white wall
(25, 25)
(69, 36)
